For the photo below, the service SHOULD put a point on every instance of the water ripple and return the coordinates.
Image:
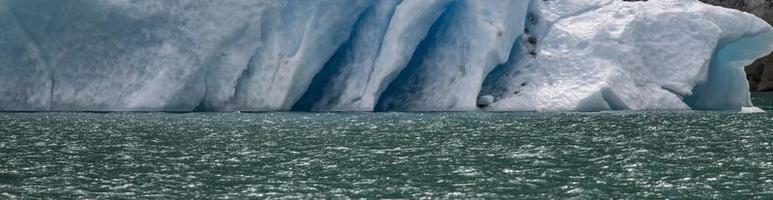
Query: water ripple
(386, 155)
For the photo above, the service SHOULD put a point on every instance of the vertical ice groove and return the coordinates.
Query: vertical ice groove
(296, 41)
(399, 87)
(409, 25)
(341, 83)
(476, 37)
(318, 87)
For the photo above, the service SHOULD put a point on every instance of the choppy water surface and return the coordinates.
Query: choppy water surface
(386, 155)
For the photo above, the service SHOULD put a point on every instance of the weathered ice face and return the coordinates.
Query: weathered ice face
(354, 55)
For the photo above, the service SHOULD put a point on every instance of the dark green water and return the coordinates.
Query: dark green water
(387, 155)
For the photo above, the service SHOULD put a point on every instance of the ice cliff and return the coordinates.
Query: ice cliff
(357, 55)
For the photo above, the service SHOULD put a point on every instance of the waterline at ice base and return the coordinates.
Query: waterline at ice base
(378, 55)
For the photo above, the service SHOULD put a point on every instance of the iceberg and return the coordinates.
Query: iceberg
(379, 55)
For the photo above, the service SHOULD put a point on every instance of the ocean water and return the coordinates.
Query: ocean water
(387, 155)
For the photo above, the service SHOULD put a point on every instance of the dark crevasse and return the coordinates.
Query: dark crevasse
(357, 53)
(472, 39)
(295, 43)
(317, 87)
(398, 93)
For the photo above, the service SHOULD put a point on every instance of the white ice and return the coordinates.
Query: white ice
(655, 55)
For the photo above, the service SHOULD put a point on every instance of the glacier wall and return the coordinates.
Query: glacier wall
(380, 55)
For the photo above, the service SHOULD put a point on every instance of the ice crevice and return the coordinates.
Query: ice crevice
(385, 55)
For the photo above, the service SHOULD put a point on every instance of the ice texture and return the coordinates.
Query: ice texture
(378, 55)
(655, 55)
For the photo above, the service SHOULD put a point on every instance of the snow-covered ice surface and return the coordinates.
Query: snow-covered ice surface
(354, 55)
(613, 55)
